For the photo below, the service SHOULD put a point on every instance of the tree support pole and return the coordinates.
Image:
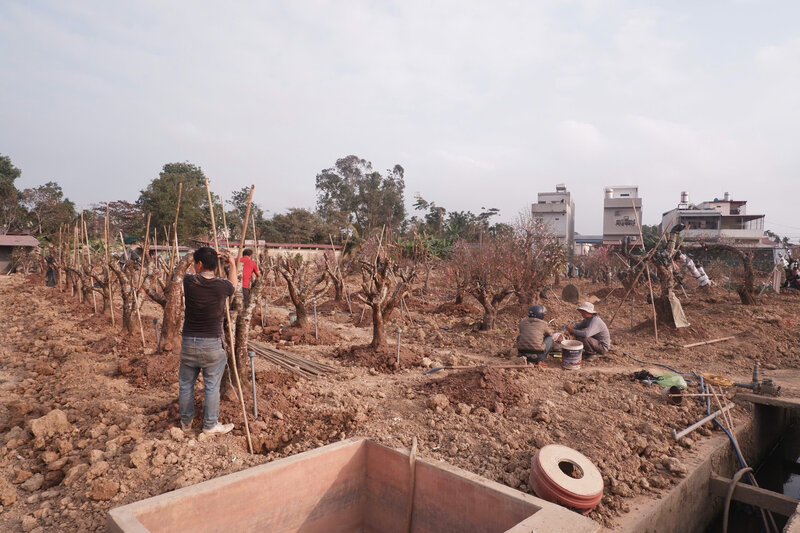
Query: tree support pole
(231, 347)
(649, 282)
(108, 271)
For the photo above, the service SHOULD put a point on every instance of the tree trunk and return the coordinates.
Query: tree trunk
(378, 329)
(338, 288)
(489, 318)
(173, 309)
(459, 296)
(302, 316)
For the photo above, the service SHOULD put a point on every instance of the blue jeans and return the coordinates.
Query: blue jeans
(199, 353)
(540, 356)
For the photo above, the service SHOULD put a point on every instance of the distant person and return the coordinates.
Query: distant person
(535, 338)
(592, 332)
(201, 348)
(249, 269)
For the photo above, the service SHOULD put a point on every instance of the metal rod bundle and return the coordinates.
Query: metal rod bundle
(300, 366)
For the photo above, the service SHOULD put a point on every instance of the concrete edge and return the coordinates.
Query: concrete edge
(126, 515)
(547, 517)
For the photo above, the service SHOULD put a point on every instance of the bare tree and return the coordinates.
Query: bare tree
(167, 291)
(746, 290)
(337, 270)
(483, 265)
(305, 280)
(383, 285)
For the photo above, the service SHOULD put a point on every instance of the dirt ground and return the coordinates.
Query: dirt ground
(88, 420)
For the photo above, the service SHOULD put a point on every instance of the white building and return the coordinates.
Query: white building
(622, 207)
(557, 209)
(725, 219)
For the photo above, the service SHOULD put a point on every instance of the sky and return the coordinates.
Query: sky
(484, 104)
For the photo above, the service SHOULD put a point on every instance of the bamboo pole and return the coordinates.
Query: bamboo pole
(60, 255)
(89, 260)
(106, 231)
(145, 252)
(225, 224)
(175, 227)
(231, 346)
(135, 295)
(649, 281)
(708, 342)
(75, 256)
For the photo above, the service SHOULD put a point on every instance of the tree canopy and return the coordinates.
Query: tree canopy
(351, 193)
(161, 196)
(47, 209)
(10, 211)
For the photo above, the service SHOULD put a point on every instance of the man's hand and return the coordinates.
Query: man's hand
(570, 328)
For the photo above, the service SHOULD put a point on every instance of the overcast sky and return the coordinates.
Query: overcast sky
(483, 103)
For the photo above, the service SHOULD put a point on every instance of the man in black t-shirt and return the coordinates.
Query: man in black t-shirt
(201, 348)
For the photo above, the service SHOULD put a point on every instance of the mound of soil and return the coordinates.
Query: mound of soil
(481, 387)
(332, 305)
(115, 343)
(381, 360)
(454, 309)
(306, 335)
(146, 371)
(606, 292)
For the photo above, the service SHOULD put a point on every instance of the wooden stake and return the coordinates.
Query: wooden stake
(231, 346)
(89, 260)
(175, 227)
(76, 257)
(649, 282)
(106, 231)
(145, 252)
(708, 342)
(60, 268)
(255, 237)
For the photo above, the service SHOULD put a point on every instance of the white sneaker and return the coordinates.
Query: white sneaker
(219, 429)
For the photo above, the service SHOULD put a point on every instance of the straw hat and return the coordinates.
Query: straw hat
(588, 307)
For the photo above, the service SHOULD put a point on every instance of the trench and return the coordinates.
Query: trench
(778, 472)
(769, 442)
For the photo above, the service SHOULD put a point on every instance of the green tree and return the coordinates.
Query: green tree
(161, 196)
(298, 226)
(47, 209)
(352, 193)
(10, 209)
(650, 234)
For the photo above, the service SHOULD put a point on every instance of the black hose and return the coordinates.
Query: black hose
(731, 487)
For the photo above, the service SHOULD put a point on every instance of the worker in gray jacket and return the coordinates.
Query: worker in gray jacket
(535, 338)
(592, 332)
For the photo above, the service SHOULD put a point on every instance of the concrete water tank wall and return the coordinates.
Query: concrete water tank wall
(352, 486)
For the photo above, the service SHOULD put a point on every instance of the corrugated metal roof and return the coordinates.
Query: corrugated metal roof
(18, 240)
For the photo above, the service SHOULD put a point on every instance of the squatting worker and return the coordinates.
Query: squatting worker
(201, 348)
(249, 269)
(535, 338)
(592, 332)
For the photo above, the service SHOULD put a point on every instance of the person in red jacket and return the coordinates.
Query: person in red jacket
(249, 269)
